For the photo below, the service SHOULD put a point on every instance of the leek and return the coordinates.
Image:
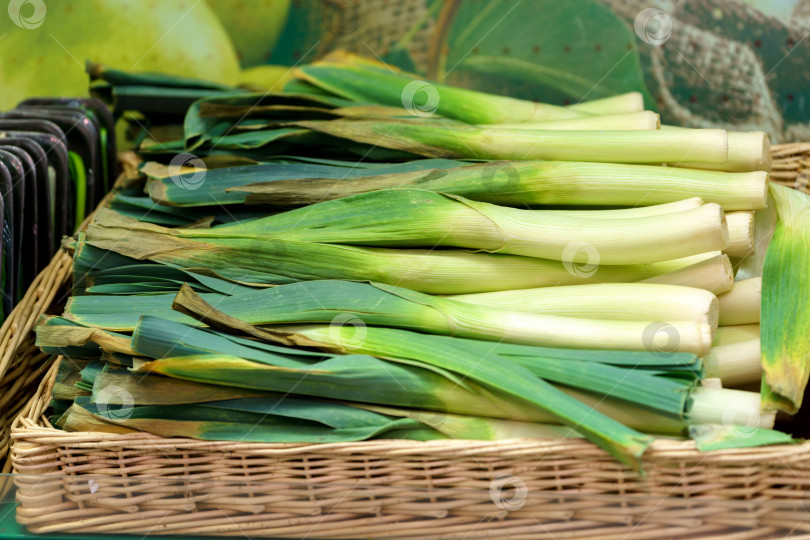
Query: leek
(741, 305)
(417, 218)
(785, 317)
(747, 151)
(713, 274)
(386, 305)
(454, 140)
(615, 301)
(363, 83)
(407, 382)
(262, 419)
(741, 234)
(276, 261)
(520, 183)
(457, 426)
(729, 407)
(735, 357)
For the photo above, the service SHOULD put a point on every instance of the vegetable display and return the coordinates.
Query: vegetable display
(333, 263)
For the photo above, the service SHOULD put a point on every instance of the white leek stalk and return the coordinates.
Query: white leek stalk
(736, 357)
(478, 322)
(714, 274)
(612, 301)
(740, 233)
(747, 151)
(632, 240)
(728, 407)
(741, 304)
(416, 218)
(454, 140)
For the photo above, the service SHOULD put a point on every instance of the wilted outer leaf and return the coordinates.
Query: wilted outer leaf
(785, 314)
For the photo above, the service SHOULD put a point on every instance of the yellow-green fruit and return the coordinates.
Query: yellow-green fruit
(254, 26)
(46, 43)
(263, 78)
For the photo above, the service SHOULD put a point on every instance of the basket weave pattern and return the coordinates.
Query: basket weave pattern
(143, 484)
(140, 483)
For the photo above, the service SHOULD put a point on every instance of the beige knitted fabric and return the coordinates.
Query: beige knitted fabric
(374, 27)
(725, 65)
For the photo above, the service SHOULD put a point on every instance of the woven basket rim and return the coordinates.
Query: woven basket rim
(31, 426)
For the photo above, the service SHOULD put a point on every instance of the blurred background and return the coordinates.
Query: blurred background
(700, 63)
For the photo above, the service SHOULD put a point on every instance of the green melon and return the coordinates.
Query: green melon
(254, 26)
(182, 37)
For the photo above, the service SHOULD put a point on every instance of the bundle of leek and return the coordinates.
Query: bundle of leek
(435, 297)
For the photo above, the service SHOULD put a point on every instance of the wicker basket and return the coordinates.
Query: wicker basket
(791, 165)
(144, 484)
(21, 363)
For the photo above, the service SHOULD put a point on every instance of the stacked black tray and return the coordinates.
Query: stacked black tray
(57, 160)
